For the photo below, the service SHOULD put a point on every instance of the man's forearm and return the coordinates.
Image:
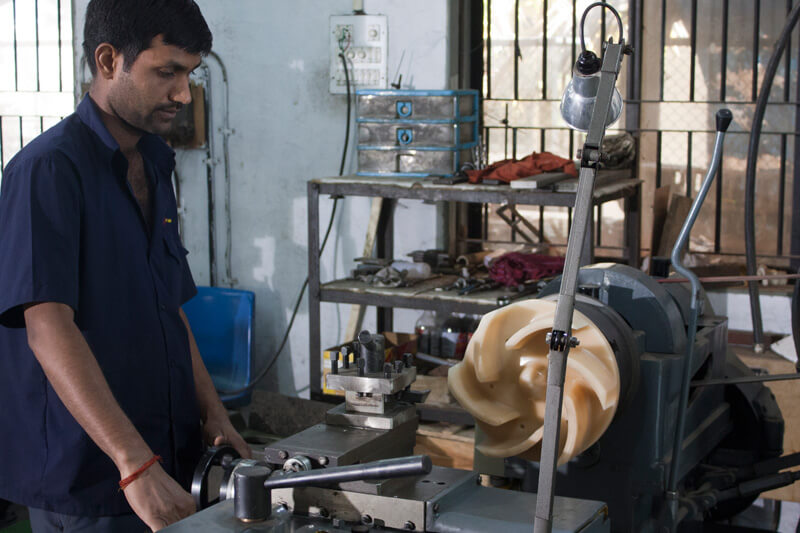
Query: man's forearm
(207, 398)
(72, 370)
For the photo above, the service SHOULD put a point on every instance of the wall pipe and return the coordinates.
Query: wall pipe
(750, 175)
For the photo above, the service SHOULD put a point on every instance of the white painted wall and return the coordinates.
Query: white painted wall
(289, 130)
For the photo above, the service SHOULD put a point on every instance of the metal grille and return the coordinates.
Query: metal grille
(36, 75)
(692, 58)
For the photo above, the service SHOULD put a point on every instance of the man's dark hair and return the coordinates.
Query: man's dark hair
(130, 26)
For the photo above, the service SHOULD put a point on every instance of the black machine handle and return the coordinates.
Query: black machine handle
(416, 465)
(724, 118)
(252, 500)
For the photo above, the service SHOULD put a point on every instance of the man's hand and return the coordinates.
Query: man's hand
(218, 430)
(156, 498)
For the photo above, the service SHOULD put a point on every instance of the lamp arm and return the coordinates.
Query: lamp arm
(560, 338)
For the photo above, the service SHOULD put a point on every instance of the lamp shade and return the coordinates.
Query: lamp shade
(577, 104)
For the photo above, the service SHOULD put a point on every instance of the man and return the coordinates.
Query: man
(100, 377)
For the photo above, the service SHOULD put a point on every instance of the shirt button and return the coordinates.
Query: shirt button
(163, 307)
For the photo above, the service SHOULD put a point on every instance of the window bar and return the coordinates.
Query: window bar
(693, 51)
(513, 226)
(724, 54)
(544, 53)
(718, 210)
(516, 50)
(787, 56)
(542, 145)
(782, 192)
(60, 62)
(574, 37)
(36, 33)
(795, 232)
(602, 27)
(505, 135)
(689, 190)
(599, 224)
(16, 62)
(663, 45)
(2, 158)
(756, 27)
(658, 159)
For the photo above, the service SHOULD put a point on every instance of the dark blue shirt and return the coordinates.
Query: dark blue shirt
(72, 232)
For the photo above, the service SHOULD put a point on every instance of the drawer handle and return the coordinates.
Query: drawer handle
(404, 108)
(405, 136)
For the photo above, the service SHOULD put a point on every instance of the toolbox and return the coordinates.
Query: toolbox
(410, 133)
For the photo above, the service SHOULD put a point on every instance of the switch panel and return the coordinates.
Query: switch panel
(363, 41)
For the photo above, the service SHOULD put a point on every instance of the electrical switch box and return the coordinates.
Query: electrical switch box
(363, 41)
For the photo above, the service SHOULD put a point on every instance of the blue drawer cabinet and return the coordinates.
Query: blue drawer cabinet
(415, 133)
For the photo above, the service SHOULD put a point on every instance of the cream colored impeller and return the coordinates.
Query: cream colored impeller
(502, 382)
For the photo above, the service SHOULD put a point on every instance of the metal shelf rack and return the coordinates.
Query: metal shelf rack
(425, 295)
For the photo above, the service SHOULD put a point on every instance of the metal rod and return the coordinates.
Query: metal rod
(544, 51)
(756, 40)
(747, 379)
(663, 47)
(417, 465)
(659, 142)
(693, 50)
(723, 120)
(689, 138)
(718, 211)
(781, 193)
(724, 55)
(724, 279)
(560, 336)
(750, 171)
(489, 49)
(36, 34)
(60, 59)
(16, 57)
(516, 50)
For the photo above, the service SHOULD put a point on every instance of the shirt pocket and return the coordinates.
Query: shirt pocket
(173, 267)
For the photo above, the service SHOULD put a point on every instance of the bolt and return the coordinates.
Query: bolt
(335, 366)
(573, 342)
(398, 366)
(324, 512)
(337, 522)
(283, 455)
(408, 360)
(362, 364)
(323, 460)
(410, 526)
(366, 519)
(435, 507)
(387, 370)
(346, 356)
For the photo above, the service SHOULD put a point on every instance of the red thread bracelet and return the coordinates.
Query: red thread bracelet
(123, 483)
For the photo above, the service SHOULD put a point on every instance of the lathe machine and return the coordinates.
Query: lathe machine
(354, 471)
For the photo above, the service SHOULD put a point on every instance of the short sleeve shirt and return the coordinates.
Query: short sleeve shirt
(71, 232)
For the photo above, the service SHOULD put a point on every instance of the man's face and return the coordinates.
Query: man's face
(149, 95)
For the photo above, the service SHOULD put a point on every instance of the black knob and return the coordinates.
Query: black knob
(251, 500)
(724, 118)
(408, 359)
(387, 370)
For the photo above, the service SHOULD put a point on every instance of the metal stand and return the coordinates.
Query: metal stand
(560, 339)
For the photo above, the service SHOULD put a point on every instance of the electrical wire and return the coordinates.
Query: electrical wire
(610, 8)
(261, 375)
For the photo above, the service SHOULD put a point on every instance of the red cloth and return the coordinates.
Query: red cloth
(514, 268)
(509, 170)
